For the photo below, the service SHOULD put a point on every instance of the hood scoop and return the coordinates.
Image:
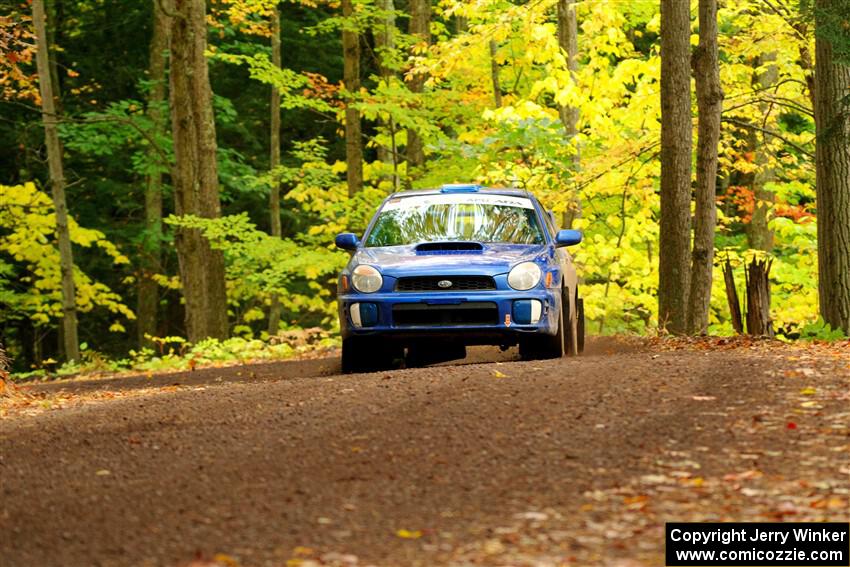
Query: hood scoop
(446, 248)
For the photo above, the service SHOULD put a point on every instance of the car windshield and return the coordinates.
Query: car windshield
(477, 217)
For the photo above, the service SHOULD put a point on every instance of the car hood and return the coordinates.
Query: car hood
(494, 259)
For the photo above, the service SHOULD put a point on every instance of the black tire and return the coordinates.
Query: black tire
(580, 323)
(368, 354)
(547, 346)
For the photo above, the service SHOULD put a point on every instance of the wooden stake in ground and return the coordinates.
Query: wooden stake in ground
(732, 297)
(57, 185)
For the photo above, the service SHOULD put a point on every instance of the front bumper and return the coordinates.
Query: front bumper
(482, 317)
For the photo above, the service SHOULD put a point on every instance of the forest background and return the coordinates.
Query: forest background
(320, 109)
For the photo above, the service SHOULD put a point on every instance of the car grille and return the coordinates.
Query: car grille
(424, 315)
(458, 283)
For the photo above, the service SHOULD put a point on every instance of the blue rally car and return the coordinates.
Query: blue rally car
(441, 269)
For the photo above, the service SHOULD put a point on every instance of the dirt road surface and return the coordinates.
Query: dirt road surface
(577, 461)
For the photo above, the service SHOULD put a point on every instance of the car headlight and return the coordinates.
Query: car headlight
(366, 279)
(524, 276)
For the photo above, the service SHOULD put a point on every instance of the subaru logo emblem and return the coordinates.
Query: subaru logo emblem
(444, 284)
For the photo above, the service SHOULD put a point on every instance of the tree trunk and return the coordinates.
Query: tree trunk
(833, 181)
(384, 46)
(54, 12)
(151, 257)
(274, 162)
(195, 175)
(57, 185)
(351, 77)
(568, 42)
(420, 28)
(676, 139)
(757, 280)
(494, 74)
(709, 103)
(759, 233)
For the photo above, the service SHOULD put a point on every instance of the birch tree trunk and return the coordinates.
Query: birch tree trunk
(568, 42)
(420, 27)
(676, 141)
(57, 185)
(832, 117)
(351, 77)
(274, 162)
(151, 257)
(195, 175)
(709, 103)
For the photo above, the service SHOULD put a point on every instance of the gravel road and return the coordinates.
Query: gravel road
(577, 461)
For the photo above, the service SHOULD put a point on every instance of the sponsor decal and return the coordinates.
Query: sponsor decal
(457, 199)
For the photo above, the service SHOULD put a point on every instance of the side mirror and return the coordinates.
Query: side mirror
(567, 237)
(347, 241)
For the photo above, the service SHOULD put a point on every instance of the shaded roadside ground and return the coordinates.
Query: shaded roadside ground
(577, 461)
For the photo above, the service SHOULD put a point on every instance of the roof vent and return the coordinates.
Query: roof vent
(445, 248)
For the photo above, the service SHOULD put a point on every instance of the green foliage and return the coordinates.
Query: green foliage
(111, 146)
(259, 266)
(821, 331)
(832, 22)
(174, 354)
(30, 281)
(288, 82)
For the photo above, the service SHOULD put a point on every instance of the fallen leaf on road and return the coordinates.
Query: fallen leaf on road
(746, 475)
(409, 534)
(533, 516)
(656, 479)
(497, 374)
(493, 547)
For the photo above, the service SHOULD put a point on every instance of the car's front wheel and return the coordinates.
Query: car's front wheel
(547, 346)
(368, 354)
